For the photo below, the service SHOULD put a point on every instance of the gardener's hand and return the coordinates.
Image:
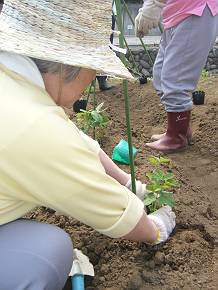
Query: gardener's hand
(148, 17)
(165, 220)
(140, 188)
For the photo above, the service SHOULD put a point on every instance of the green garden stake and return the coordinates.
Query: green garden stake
(121, 152)
(91, 90)
(160, 28)
(126, 96)
(94, 93)
(93, 85)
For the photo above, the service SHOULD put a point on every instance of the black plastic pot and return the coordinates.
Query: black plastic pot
(143, 80)
(198, 97)
(79, 105)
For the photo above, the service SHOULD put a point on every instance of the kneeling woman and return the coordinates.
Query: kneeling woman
(49, 55)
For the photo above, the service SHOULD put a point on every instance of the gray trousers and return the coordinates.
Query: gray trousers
(34, 256)
(183, 53)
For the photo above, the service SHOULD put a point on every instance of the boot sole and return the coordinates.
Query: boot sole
(170, 150)
(174, 151)
(190, 143)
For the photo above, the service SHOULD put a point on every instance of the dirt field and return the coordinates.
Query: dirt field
(189, 260)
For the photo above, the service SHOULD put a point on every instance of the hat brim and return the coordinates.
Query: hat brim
(101, 59)
(81, 40)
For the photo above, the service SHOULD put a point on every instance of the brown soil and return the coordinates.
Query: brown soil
(189, 260)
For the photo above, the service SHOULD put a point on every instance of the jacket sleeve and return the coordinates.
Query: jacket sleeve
(54, 167)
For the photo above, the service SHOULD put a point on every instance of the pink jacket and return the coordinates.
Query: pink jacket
(177, 10)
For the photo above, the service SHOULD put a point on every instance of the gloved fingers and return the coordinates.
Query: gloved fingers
(140, 34)
(137, 21)
(172, 220)
(171, 215)
(143, 26)
(151, 23)
(167, 215)
(154, 25)
(165, 220)
(140, 190)
(144, 188)
(167, 210)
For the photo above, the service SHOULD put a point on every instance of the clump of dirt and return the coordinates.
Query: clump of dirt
(189, 259)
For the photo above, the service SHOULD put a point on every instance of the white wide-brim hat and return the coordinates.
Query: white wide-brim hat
(72, 32)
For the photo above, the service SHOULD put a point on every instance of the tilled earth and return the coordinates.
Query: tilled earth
(189, 260)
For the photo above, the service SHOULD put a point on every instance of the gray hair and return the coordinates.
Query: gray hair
(70, 72)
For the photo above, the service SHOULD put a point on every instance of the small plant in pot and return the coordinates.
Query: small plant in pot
(199, 95)
(161, 184)
(143, 80)
(80, 105)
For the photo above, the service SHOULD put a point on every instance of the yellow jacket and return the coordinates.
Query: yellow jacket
(46, 161)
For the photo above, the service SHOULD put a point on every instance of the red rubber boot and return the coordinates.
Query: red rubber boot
(175, 139)
(156, 137)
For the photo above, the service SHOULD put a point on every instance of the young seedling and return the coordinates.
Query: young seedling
(92, 119)
(204, 74)
(90, 89)
(199, 95)
(160, 185)
(204, 79)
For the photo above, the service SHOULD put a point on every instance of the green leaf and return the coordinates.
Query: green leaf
(149, 199)
(154, 160)
(169, 176)
(161, 182)
(171, 184)
(158, 175)
(149, 175)
(90, 89)
(96, 116)
(154, 187)
(98, 108)
(164, 160)
(166, 198)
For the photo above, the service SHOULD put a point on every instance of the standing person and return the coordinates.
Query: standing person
(102, 80)
(103, 83)
(44, 159)
(190, 30)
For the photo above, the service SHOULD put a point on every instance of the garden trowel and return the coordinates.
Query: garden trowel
(81, 267)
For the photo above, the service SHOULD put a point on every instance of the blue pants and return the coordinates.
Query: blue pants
(183, 53)
(34, 256)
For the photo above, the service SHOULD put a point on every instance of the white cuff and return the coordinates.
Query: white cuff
(128, 220)
(160, 225)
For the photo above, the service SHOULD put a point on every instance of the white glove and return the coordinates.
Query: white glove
(148, 17)
(140, 188)
(165, 220)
